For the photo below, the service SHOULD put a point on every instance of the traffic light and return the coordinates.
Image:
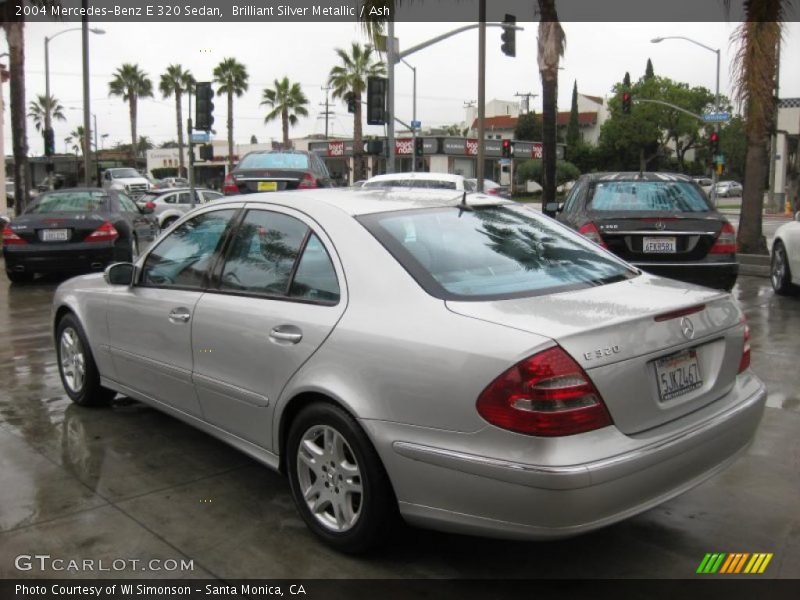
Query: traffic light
(351, 102)
(49, 142)
(419, 147)
(376, 100)
(207, 152)
(509, 36)
(203, 106)
(713, 143)
(507, 149)
(626, 103)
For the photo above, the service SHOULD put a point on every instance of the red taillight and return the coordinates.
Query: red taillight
(229, 186)
(105, 233)
(309, 182)
(726, 241)
(150, 204)
(744, 363)
(591, 232)
(10, 238)
(547, 394)
(492, 191)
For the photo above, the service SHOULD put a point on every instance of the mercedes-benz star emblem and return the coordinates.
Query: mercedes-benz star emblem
(687, 327)
(660, 225)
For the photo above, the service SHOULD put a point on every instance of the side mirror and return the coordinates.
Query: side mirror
(119, 274)
(553, 207)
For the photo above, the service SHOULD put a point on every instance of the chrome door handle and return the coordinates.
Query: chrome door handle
(286, 333)
(180, 315)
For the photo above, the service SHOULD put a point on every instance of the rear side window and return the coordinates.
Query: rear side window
(274, 160)
(647, 196)
(492, 253)
(315, 278)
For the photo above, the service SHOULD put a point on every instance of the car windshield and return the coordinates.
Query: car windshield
(492, 253)
(68, 202)
(647, 196)
(124, 173)
(274, 160)
(430, 184)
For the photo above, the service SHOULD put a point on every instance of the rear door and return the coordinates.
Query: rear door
(278, 298)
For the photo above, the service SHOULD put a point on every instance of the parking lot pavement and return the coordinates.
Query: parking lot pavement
(128, 482)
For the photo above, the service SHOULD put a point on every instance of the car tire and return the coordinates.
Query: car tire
(17, 277)
(779, 273)
(76, 366)
(337, 480)
(168, 222)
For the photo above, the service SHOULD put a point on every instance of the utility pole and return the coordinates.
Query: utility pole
(87, 115)
(527, 96)
(390, 59)
(481, 92)
(327, 112)
(4, 75)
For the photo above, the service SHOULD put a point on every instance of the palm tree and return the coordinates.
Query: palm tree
(76, 139)
(287, 101)
(177, 81)
(39, 108)
(231, 77)
(754, 70)
(551, 43)
(130, 83)
(349, 79)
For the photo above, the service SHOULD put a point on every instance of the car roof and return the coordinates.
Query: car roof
(637, 176)
(421, 176)
(364, 201)
(161, 191)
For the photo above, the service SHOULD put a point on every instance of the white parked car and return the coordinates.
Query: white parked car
(171, 204)
(729, 188)
(785, 266)
(436, 181)
(126, 179)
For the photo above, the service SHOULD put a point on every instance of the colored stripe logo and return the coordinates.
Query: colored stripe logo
(734, 562)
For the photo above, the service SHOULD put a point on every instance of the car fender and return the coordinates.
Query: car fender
(168, 214)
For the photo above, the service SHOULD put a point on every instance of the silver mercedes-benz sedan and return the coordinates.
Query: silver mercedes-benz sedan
(459, 360)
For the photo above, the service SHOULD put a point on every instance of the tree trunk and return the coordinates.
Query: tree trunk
(15, 36)
(749, 238)
(132, 112)
(230, 132)
(549, 92)
(359, 168)
(285, 124)
(642, 161)
(179, 119)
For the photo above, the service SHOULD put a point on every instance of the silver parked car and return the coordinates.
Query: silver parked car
(464, 362)
(171, 204)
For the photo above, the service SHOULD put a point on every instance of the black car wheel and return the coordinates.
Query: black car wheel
(337, 480)
(168, 222)
(76, 365)
(780, 275)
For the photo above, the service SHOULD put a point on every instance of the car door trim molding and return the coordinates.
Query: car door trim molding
(166, 369)
(232, 391)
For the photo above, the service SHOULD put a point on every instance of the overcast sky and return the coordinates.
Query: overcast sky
(597, 56)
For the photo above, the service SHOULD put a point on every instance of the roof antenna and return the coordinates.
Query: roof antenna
(464, 199)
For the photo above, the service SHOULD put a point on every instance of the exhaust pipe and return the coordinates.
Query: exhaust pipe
(19, 268)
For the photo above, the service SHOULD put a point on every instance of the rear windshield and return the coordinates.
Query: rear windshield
(492, 253)
(648, 196)
(276, 160)
(69, 202)
(429, 184)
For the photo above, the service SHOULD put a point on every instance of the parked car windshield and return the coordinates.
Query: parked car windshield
(430, 184)
(69, 202)
(124, 173)
(668, 196)
(274, 160)
(492, 253)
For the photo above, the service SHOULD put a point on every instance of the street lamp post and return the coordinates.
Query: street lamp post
(716, 97)
(47, 116)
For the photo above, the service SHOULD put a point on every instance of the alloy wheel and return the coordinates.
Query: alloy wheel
(73, 360)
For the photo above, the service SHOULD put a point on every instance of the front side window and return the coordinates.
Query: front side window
(263, 253)
(184, 257)
(492, 253)
(647, 196)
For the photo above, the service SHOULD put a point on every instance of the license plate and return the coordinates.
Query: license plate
(55, 235)
(267, 186)
(658, 245)
(678, 374)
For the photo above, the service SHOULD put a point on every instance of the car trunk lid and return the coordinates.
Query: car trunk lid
(46, 228)
(658, 237)
(268, 180)
(628, 335)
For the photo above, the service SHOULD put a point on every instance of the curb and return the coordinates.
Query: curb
(754, 264)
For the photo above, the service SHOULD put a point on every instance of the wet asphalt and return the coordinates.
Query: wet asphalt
(127, 482)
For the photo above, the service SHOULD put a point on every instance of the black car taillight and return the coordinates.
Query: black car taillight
(726, 241)
(105, 233)
(590, 231)
(547, 394)
(10, 238)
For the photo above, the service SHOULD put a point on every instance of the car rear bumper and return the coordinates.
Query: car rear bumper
(77, 258)
(718, 275)
(458, 489)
